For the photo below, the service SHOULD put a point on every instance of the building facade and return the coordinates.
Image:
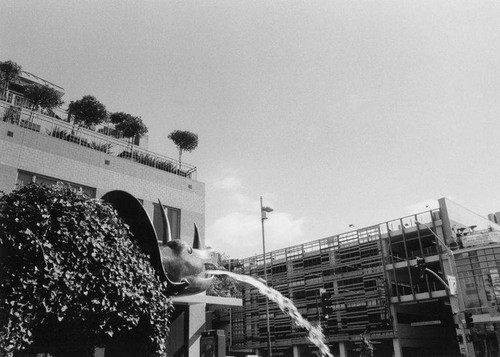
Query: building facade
(33, 150)
(422, 285)
(45, 148)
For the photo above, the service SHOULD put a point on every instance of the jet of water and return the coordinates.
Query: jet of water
(286, 305)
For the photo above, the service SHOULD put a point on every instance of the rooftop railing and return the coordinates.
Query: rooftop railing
(15, 110)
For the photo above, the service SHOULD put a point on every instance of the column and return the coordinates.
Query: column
(342, 349)
(196, 327)
(398, 352)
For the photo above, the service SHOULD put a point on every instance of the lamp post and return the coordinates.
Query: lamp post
(453, 271)
(448, 250)
(230, 320)
(263, 211)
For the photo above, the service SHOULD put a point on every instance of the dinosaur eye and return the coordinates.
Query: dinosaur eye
(190, 250)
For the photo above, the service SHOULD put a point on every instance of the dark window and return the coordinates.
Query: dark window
(276, 269)
(24, 178)
(174, 219)
(312, 262)
(299, 294)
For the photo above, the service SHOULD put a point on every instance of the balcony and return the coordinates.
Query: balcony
(15, 110)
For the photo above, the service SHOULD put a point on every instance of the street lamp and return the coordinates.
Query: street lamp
(454, 273)
(263, 211)
(448, 250)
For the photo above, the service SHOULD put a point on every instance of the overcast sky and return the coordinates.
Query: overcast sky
(336, 112)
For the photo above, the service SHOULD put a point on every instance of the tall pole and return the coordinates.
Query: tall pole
(317, 309)
(263, 211)
(230, 320)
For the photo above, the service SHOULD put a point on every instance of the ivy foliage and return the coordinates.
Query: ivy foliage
(71, 272)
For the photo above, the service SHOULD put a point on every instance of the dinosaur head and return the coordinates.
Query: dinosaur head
(184, 266)
(176, 261)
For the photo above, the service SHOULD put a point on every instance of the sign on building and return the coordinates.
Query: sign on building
(481, 239)
(452, 283)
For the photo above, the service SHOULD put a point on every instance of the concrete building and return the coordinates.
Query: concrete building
(369, 279)
(43, 148)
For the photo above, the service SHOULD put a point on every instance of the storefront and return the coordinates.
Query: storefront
(479, 275)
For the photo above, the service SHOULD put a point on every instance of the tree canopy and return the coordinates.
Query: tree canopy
(42, 96)
(9, 71)
(71, 272)
(185, 141)
(87, 111)
(128, 124)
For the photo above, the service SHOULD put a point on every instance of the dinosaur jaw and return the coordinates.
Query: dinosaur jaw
(198, 284)
(192, 284)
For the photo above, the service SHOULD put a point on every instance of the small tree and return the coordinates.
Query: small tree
(87, 111)
(9, 72)
(71, 277)
(185, 141)
(223, 285)
(129, 125)
(42, 97)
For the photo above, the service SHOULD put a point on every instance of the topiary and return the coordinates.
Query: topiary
(72, 277)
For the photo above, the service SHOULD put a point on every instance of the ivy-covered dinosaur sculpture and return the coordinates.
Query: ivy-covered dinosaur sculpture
(176, 262)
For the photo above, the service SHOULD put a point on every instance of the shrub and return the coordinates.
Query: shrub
(12, 115)
(72, 272)
(104, 147)
(58, 133)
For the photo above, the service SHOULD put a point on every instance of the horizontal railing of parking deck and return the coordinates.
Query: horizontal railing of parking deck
(19, 114)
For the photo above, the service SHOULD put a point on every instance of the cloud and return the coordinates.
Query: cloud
(236, 228)
(283, 230)
(239, 234)
(228, 183)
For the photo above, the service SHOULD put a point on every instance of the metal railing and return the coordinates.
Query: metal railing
(21, 115)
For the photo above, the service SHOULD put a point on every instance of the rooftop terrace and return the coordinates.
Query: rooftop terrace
(16, 110)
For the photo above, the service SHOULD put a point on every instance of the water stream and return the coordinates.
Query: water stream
(286, 305)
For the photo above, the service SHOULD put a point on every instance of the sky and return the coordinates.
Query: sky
(334, 112)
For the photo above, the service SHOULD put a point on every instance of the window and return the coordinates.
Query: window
(174, 219)
(24, 178)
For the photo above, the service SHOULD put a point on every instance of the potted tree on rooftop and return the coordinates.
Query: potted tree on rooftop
(87, 112)
(130, 126)
(9, 72)
(185, 141)
(42, 97)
